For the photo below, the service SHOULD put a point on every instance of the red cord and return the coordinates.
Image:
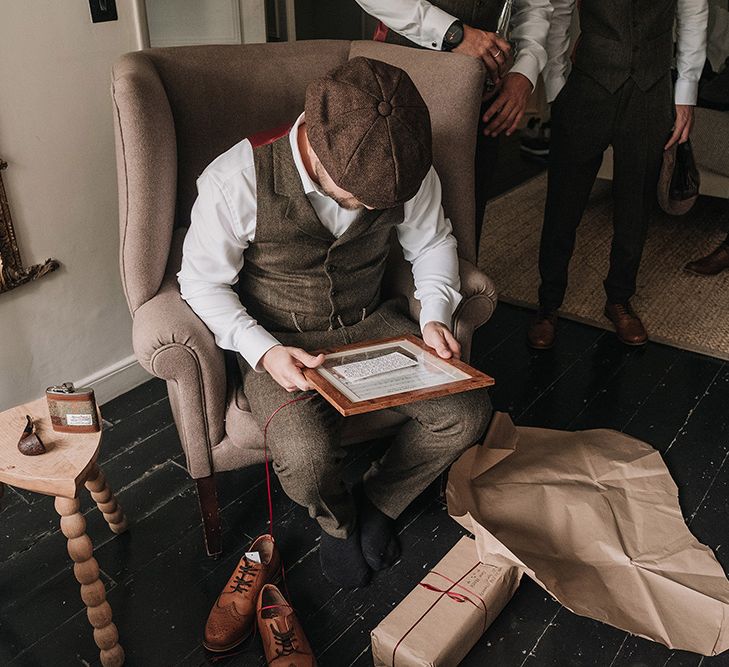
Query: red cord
(265, 454)
(268, 474)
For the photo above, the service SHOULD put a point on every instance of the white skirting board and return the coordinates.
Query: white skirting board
(115, 380)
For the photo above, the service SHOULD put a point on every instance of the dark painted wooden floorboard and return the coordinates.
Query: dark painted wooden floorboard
(516, 630)
(701, 445)
(562, 402)
(130, 403)
(663, 413)
(523, 374)
(162, 584)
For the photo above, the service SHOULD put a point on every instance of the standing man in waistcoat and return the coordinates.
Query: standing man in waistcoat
(468, 27)
(618, 93)
(286, 253)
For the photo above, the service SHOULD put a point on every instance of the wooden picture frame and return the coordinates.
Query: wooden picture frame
(426, 376)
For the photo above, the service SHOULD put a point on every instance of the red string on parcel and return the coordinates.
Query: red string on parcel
(457, 597)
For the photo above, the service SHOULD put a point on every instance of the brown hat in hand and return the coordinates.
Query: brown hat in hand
(370, 128)
(678, 182)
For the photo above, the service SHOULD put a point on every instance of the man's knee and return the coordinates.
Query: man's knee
(460, 418)
(477, 412)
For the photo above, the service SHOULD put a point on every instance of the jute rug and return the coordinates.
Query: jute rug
(678, 308)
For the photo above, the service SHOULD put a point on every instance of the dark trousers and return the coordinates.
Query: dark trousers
(586, 119)
(487, 152)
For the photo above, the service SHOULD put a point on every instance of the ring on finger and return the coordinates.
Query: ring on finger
(496, 54)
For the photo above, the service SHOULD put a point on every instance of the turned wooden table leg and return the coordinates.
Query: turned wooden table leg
(105, 500)
(86, 569)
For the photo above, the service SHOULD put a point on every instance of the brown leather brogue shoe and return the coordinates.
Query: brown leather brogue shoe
(628, 327)
(284, 642)
(543, 330)
(713, 263)
(233, 616)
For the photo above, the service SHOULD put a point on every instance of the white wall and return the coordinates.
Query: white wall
(56, 134)
(185, 22)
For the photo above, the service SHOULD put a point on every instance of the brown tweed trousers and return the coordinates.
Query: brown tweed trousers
(304, 438)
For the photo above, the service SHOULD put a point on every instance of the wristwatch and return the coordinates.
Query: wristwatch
(453, 36)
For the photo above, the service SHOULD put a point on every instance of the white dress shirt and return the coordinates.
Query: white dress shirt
(223, 224)
(426, 25)
(692, 18)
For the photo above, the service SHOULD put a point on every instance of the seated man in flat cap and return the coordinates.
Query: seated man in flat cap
(286, 253)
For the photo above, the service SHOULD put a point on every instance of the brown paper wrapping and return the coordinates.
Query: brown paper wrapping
(446, 614)
(593, 518)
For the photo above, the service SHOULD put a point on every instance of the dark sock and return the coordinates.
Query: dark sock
(342, 562)
(380, 546)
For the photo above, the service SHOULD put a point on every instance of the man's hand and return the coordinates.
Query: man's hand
(284, 365)
(489, 47)
(508, 108)
(682, 126)
(438, 336)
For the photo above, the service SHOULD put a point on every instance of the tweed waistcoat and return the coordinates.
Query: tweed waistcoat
(481, 14)
(296, 275)
(621, 39)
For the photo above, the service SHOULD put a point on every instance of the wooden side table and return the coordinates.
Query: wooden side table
(67, 466)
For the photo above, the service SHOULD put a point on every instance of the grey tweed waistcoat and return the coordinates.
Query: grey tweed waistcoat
(481, 14)
(621, 39)
(296, 275)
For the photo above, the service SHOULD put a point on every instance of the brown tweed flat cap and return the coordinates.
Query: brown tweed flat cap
(369, 126)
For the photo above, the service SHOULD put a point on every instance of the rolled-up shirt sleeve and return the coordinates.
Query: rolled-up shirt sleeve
(429, 245)
(211, 261)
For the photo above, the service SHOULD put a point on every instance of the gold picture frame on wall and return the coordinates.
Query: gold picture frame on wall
(12, 271)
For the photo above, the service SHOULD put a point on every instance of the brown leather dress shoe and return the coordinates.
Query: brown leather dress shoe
(628, 327)
(543, 330)
(284, 642)
(713, 263)
(233, 615)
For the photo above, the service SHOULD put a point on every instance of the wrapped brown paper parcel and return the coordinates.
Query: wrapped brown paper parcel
(593, 517)
(438, 622)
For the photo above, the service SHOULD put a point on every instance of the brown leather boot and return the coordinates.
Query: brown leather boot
(284, 642)
(543, 330)
(233, 615)
(713, 263)
(628, 327)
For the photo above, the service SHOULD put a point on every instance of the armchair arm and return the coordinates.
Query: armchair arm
(172, 343)
(477, 306)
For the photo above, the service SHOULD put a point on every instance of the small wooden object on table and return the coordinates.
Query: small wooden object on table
(67, 466)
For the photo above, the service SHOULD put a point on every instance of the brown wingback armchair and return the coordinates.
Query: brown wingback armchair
(176, 109)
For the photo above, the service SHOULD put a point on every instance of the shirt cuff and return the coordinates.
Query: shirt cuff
(436, 310)
(435, 27)
(256, 342)
(686, 91)
(528, 65)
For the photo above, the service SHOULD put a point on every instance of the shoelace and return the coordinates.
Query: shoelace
(286, 639)
(241, 582)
